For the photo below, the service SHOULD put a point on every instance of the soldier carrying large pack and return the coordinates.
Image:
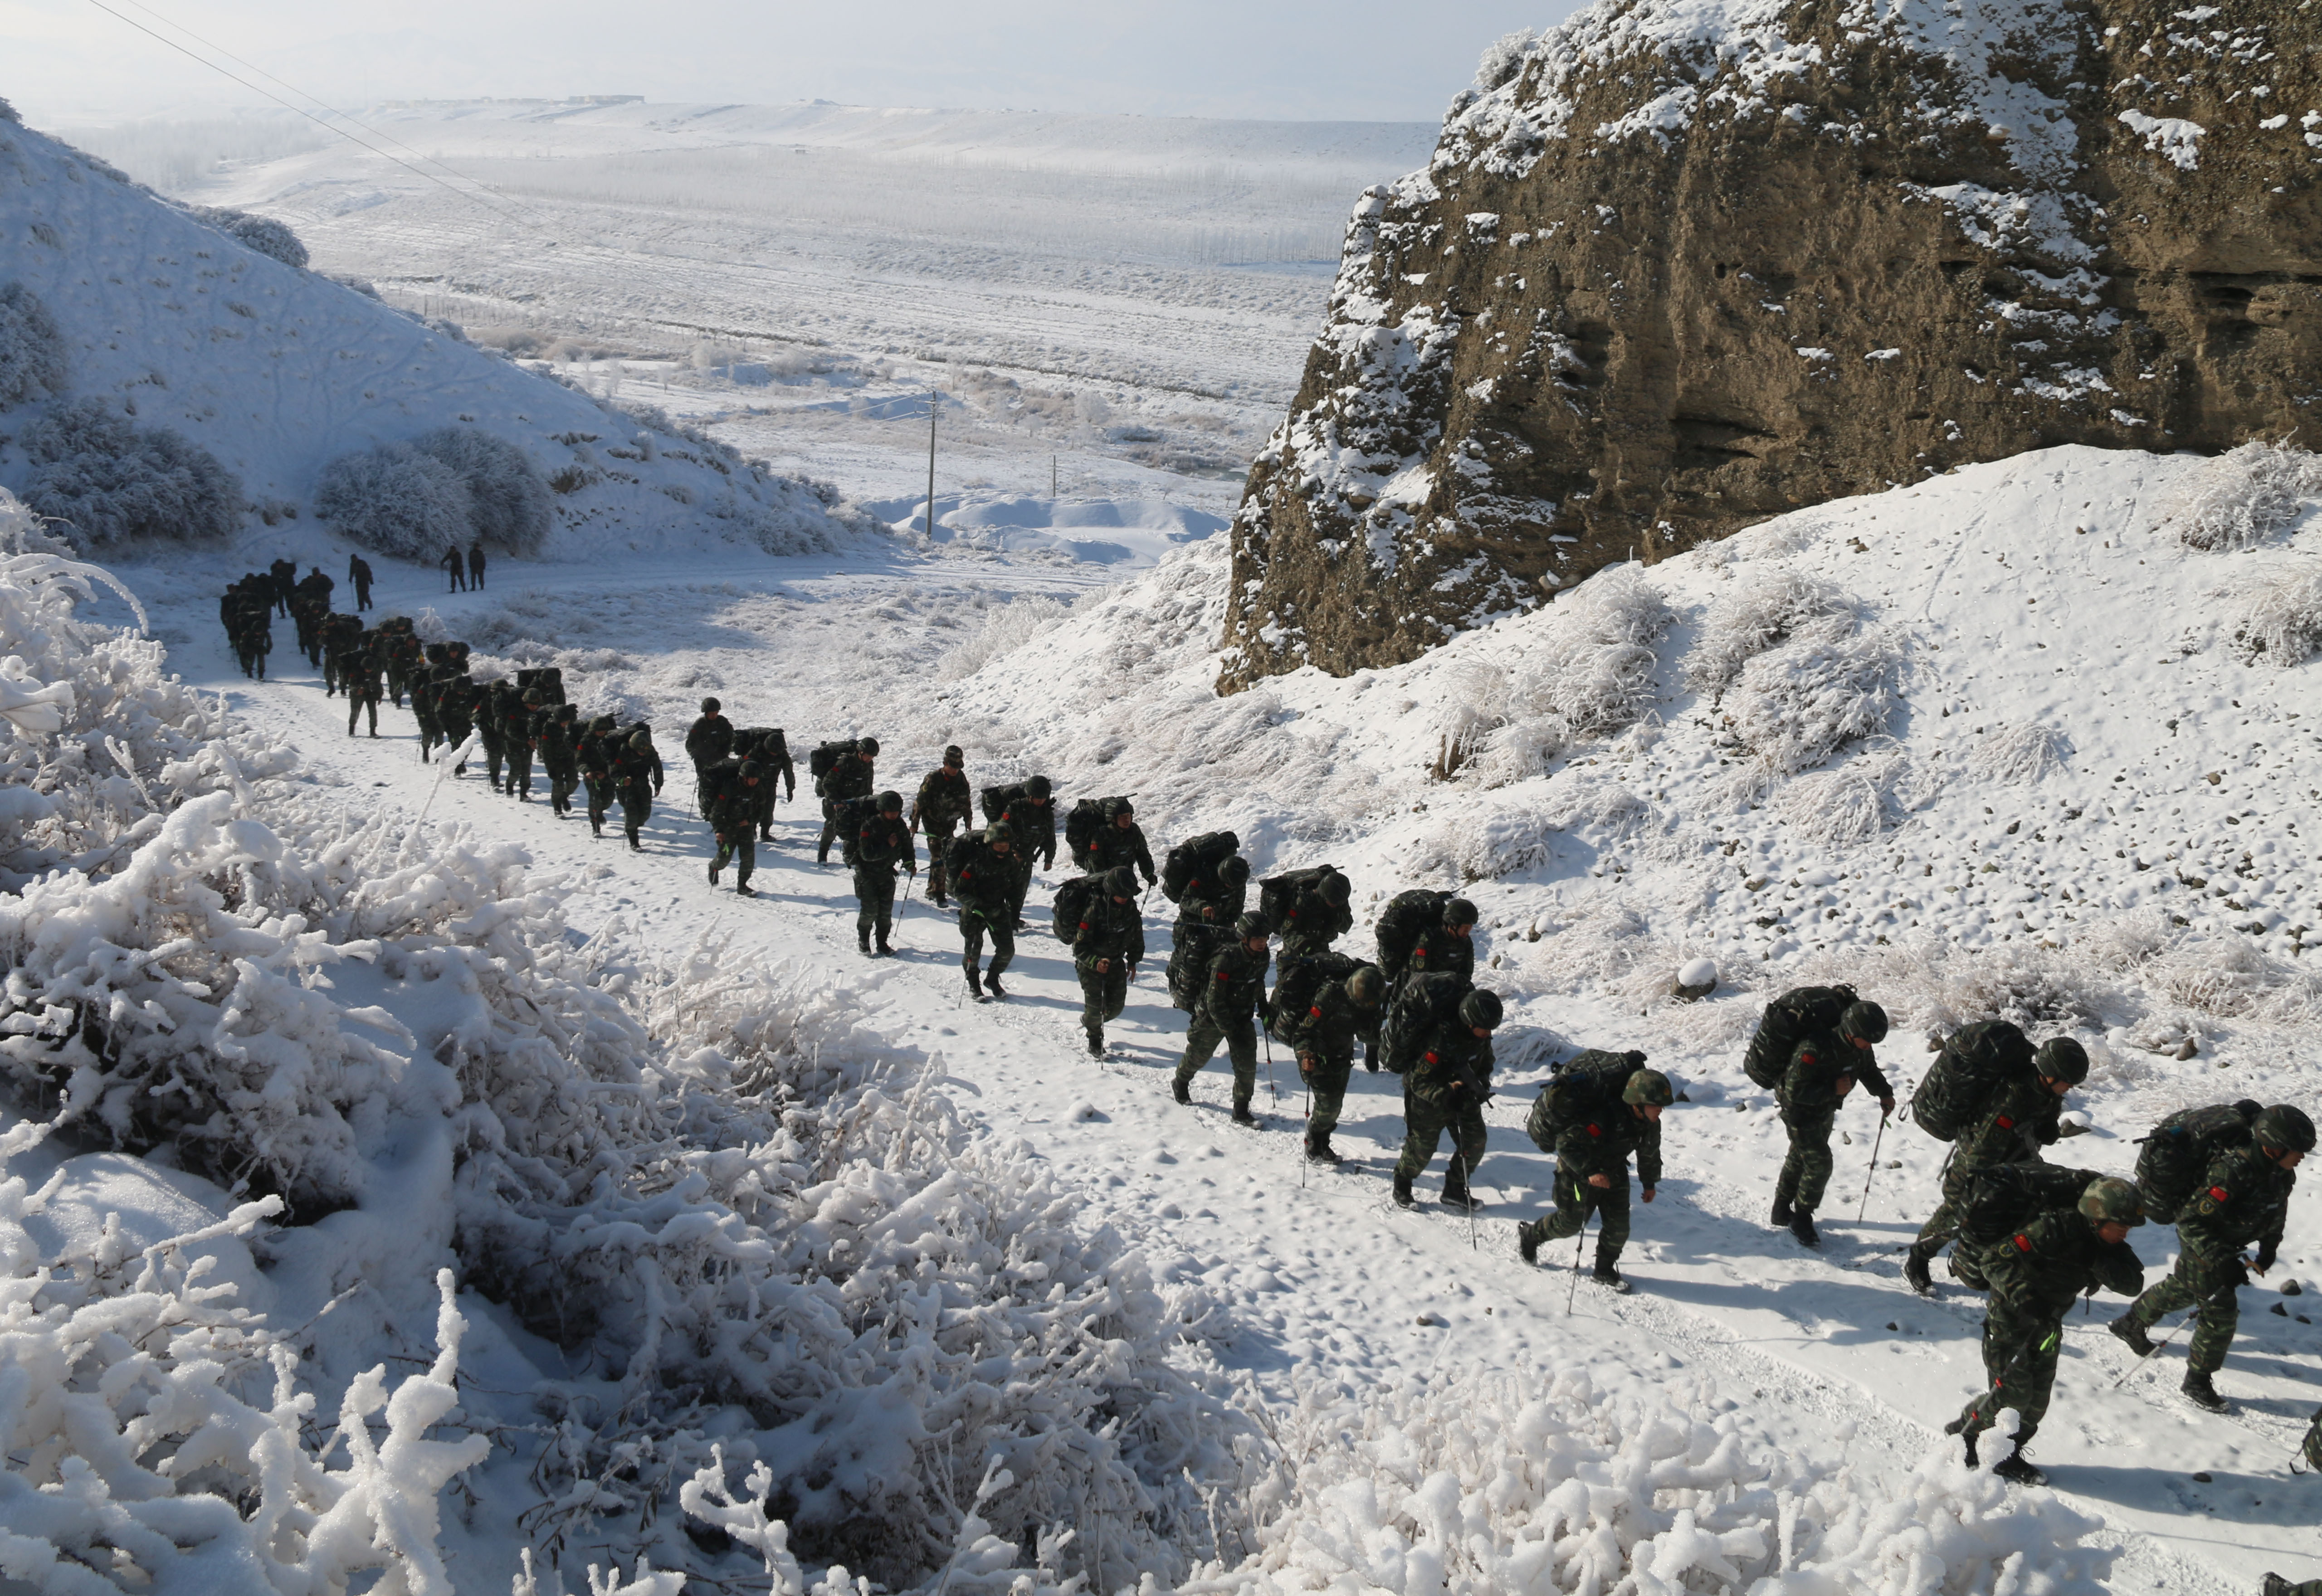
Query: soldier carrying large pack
(1424, 930)
(707, 741)
(729, 802)
(637, 778)
(1594, 1114)
(1208, 868)
(1446, 1065)
(982, 874)
(359, 674)
(1321, 1009)
(881, 841)
(841, 771)
(599, 751)
(1234, 986)
(560, 753)
(945, 803)
(1118, 841)
(1307, 909)
(1030, 815)
(1108, 945)
(2180, 1150)
(2244, 1198)
(1812, 1045)
(1996, 1099)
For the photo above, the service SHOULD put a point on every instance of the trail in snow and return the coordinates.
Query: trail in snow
(1320, 1275)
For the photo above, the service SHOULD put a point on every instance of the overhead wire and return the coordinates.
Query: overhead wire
(511, 217)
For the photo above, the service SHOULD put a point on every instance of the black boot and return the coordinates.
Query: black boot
(1181, 1088)
(2018, 1470)
(744, 889)
(2127, 1327)
(1608, 1277)
(885, 949)
(1527, 1242)
(1780, 1217)
(1242, 1116)
(1802, 1226)
(1319, 1149)
(991, 985)
(1096, 1045)
(862, 942)
(1915, 1269)
(1402, 1198)
(2202, 1394)
(975, 983)
(1456, 1194)
(635, 846)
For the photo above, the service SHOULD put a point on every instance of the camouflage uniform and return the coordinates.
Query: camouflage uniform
(560, 753)
(2244, 1198)
(1312, 924)
(596, 749)
(2021, 1119)
(518, 725)
(707, 742)
(358, 673)
(1117, 845)
(1324, 1037)
(2034, 1276)
(729, 802)
(942, 806)
(1440, 947)
(1034, 821)
(636, 777)
(980, 879)
(1810, 1097)
(1223, 1013)
(851, 776)
(457, 699)
(1111, 933)
(882, 843)
(1598, 1140)
(1445, 1091)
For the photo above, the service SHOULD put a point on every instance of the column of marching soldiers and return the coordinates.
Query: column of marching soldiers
(2034, 1236)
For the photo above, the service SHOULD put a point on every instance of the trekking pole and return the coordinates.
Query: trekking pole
(1873, 1175)
(1579, 1243)
(1272, 1091)
(1469, 1181)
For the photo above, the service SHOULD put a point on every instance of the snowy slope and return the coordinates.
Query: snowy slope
(277, 371)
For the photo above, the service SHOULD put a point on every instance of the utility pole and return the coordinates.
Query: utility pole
(1052, 477)
(931, 465)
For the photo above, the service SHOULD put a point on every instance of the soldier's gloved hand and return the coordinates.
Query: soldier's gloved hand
(1647, 1193)
(2264, 1260)
(1887, 1106)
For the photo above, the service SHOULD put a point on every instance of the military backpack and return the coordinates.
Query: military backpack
(1192, 862)
(824, 758)
(2002, 1199)
(1083, 825)
(1400, 924)
(1189, 961)
(1294, 993)
(1788, 1020)
(1278, 896)
(2180, 1151)
(1584, 1083)
(996, 799)
(1072, 906)
(850, 815)
(1975, 1062)
(548, 680)
(1420, 1005)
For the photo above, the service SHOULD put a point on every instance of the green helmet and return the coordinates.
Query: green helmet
(1249, 926)
(1366, 986)
(999, 831)
(1648, 1089)
(868, 747)
(2284, 1129)
(2061, 1058)
(1120, 882)
(1458, 911)
(1863, 1022)
(1480, 1008)
(1336, 889)
(2111, 1200)
(890, 801)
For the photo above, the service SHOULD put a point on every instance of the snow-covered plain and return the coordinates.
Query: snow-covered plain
(1795, 753)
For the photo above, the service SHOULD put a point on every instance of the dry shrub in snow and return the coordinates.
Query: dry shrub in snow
(2241, 497)
(1765, 607)
(1488, 1483)
(32, 349)
(1584, 669)
(268, 236)
(112, 481)
(451, 486)
(1834, 681)
(2278, 618)
(153, 1431)
(508, 503)
(2018, 754)
(1007, 627)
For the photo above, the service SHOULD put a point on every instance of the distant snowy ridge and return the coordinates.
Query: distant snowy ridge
(277, 372)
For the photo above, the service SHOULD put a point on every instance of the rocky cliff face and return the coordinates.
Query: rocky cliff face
(1681, 264)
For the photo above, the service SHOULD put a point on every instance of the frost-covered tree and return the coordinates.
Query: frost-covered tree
(396, 500)
(262, 234)
(32, 349)
(507, 497)
(112, 481)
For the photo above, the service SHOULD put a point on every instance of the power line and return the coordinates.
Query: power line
(331, 110)
(383, 154)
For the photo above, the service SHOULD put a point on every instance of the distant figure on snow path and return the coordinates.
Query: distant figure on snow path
(476, 565)
(359, 573)
(457, 567)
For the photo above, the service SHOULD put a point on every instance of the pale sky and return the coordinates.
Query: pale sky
(1330, 59)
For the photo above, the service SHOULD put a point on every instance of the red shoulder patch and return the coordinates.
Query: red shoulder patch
(2220, 1194)
(2023, 1244)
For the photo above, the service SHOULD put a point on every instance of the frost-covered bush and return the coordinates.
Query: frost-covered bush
(2279, 618)
(2242, 497)
(155, 1431)
(1833, 808)
(2018, 754)
(112, 481)
(1765, 607)
(1504, 58)
(1836, 679)
(1495, 1483)
(32, 347)
(263, 233)
(509, 502)
(8, 112)
(1586, 670)
(1006, 628)
(396, 501)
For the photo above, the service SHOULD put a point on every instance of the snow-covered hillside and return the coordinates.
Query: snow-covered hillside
(277, 371)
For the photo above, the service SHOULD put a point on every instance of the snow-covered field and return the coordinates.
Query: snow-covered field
(1995, 743)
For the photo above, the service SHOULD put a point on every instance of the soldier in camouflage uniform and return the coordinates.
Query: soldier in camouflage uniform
(882, 842)
(2244, 1198)
(1341, 1012)
(1120, 841)
(1107, 949)
(457, 700)
(597, 749)
(945, 803)
(1599, 1132)
(2180, 1150)
(518, 726)
(638, 778)
(1823, 1069)
(1316, 918)
(1449, 944)
(981, 873)
(851, 776)
(560, 752)
(1032, 816)
(729, 801)
(2034, 1276)
(1223, 1014)
(1446, 1090)
(358, 673)
(2020, 1118)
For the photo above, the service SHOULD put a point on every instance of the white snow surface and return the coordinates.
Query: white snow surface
(277, 371)
(1998, 742)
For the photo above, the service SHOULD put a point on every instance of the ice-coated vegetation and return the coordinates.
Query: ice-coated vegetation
(32, 347)
(268, 235)
(452, 486)
(110, 482)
